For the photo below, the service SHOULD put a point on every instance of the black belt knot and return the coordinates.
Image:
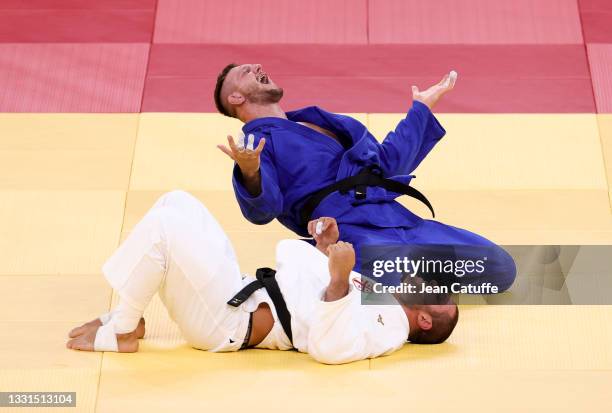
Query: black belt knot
(266, 278)
(368, 176)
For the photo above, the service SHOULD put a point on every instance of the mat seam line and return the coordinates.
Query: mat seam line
(586, 54)
(148, 65)
(118, 243)
(129, 182)
(603, 158)
(597, 114)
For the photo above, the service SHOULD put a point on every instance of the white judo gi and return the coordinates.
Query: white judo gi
(179, 250)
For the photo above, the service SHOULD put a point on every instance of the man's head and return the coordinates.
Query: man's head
(241, 86)
(431, 312)
(431, 324)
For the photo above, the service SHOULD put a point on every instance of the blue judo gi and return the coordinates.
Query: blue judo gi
(297, 161)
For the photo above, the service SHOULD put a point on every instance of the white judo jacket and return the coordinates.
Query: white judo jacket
(331, 332)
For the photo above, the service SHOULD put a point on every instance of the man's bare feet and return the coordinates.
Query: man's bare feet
(77, 331)
(431, 96)
(95, 324)
(83, 337)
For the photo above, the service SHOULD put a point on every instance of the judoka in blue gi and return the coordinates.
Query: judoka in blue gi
(285, 159)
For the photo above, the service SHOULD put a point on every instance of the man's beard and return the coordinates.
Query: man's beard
(266, 96)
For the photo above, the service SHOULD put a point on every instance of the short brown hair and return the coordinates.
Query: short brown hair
(220, 79)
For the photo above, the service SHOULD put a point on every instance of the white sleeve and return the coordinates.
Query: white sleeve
(338, 332)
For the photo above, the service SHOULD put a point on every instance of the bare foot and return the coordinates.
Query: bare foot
(431, 96)
(95, 324)
(126, 343)
(77, 331)
(140, 329)
(84, 340)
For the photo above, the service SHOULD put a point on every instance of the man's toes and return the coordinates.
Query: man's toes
(82, 345)
(79, 344)
(77, 331)
(74, 332)
(82, 329)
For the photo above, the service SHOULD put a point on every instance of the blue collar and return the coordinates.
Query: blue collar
(307, 114)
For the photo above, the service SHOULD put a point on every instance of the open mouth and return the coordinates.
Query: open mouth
(263, 78)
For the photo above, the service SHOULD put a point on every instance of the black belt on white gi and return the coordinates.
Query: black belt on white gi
(266, 278)
(370, 176)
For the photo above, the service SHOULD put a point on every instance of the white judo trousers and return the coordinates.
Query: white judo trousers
(179, 250)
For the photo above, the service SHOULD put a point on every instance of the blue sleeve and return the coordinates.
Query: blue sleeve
(415, 135)
(268, 205)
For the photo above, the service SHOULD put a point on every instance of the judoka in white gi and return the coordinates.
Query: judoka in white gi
(179, 251)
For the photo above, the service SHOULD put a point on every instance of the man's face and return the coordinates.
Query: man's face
(252, 83)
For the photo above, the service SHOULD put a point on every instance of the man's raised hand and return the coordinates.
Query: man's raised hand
(325, 232)
(341, 262)
(431, 96)
(247, 157)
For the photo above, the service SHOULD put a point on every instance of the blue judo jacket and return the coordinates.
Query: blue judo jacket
(297, 161)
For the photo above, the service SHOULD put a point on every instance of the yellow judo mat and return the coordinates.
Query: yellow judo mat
(73, 185)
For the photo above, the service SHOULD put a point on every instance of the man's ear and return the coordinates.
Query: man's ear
(235, 99)
(424, 321)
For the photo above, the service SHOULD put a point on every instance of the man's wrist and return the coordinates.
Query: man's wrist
(252, 183)
(250, 175)
(322, 246)
(336, 290)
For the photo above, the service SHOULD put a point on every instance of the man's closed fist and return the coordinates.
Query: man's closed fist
(341, 260)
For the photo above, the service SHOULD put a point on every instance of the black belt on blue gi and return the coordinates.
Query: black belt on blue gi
(369, 176)
(265, 278)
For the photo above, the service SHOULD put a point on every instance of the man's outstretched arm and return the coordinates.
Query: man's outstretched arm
(404, 148)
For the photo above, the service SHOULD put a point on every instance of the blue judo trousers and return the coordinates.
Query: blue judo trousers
(297, 161)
